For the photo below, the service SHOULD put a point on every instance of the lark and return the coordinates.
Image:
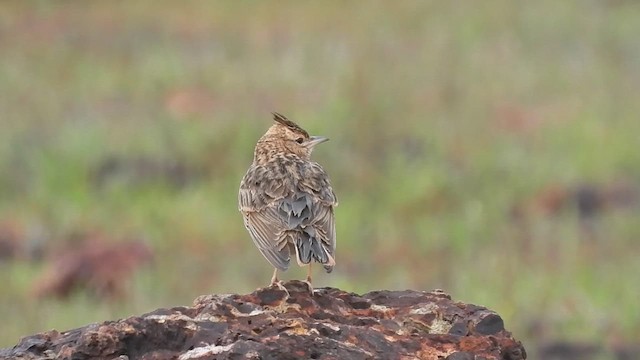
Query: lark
(287, 201)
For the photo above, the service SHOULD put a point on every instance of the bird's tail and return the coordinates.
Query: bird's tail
(311, 248)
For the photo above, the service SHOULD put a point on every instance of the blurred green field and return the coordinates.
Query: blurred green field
(443, 117)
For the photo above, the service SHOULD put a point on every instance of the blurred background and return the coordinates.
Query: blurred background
(489, 150)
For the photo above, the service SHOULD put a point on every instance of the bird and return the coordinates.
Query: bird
(287, 201)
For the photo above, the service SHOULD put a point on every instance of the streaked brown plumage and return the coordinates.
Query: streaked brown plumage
(287, 201)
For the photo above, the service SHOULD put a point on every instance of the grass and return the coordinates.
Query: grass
(442, 117)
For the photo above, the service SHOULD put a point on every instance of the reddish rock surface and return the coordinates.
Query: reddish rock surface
(273, 324)
(98, 266)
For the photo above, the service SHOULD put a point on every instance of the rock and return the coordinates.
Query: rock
(272, 323)
(97, 265)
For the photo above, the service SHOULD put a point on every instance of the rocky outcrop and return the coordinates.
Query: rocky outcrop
(274, 323)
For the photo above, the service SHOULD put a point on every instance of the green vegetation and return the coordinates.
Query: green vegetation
(442, 116)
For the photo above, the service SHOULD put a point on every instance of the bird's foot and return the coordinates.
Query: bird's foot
(308, 282)
(278, 284)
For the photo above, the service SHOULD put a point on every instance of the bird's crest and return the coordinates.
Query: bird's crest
(288, 123)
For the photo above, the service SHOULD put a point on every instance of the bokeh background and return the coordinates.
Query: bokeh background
(487, 149)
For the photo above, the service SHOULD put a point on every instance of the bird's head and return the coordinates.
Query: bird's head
(286, 136)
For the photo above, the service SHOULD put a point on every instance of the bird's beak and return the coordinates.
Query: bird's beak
(315, 140)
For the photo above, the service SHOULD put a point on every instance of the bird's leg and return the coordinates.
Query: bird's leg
(309, 278)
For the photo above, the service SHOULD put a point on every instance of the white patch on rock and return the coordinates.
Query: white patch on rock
(430, 308)
(205, 351)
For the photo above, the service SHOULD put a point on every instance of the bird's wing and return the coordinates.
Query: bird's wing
(325, 221)
(258, 200)
(267, 233)
(318, 187)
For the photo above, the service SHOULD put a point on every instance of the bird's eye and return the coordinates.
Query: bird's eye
(300, 140)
